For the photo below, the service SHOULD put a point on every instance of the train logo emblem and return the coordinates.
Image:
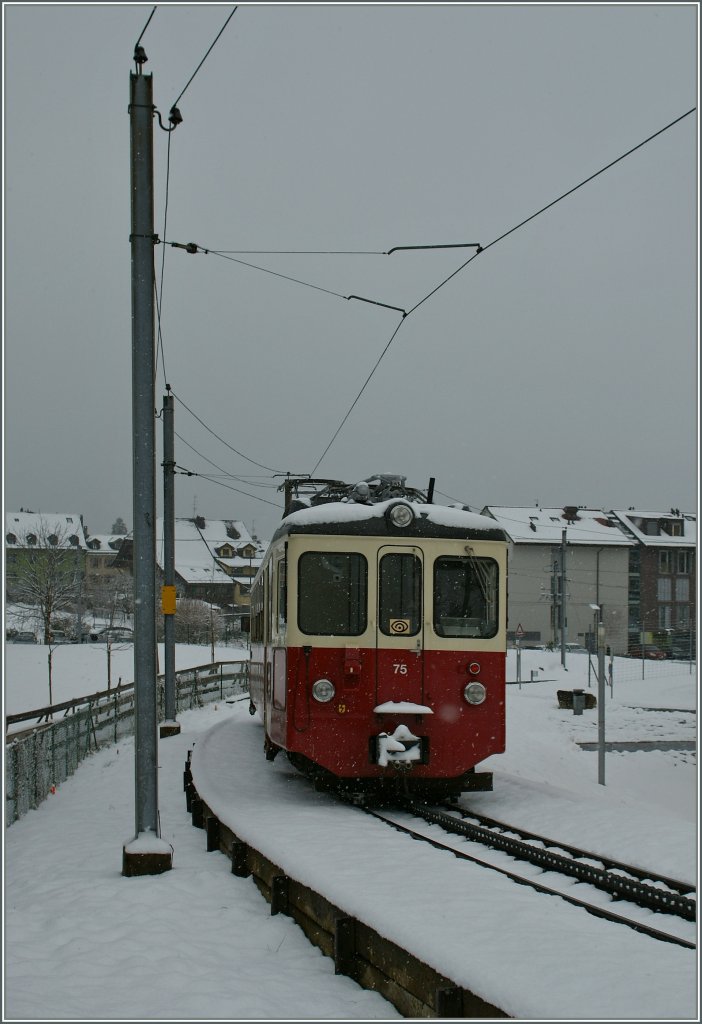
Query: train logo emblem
(399, 626)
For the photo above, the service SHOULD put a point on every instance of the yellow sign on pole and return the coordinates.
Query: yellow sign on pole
(168, 600)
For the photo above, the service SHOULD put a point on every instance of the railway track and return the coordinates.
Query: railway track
(637, 892)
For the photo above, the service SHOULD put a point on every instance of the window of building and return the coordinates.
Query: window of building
(400, 603)
(665, 560)
(684, 562)
(682, 614)
(665, 590)
(333, 589)
(682, 589)
(665, 616)
(465, 597)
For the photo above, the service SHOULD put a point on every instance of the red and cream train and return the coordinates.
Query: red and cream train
(378, 639)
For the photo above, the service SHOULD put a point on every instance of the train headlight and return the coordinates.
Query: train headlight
(323, 691)
(474, 693)
(400, 515)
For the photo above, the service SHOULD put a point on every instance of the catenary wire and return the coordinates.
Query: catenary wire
(228, 476)
(489, 246)
(356, 399)
(206, 56)
(187, 472)
(554, 201)
(145, 28)
(163, 266)
(225, 443)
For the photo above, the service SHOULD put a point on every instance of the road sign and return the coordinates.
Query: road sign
(519, 631)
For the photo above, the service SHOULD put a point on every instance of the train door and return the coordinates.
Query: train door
(400, 625)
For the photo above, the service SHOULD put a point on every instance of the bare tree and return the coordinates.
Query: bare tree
(119, 526)
(197, 622)
(47, 570)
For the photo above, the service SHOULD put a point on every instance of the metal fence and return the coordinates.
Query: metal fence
(49, 750)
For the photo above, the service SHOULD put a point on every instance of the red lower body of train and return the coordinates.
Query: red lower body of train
(416, 697)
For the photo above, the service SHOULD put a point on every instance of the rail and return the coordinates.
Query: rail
(59, 737)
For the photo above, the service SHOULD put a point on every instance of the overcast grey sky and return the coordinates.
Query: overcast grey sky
(560, 366)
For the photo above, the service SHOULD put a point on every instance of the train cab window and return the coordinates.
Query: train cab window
(400, 601)
(332, 588)
(465, 597)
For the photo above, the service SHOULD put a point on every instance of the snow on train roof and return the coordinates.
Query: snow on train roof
(351, 511)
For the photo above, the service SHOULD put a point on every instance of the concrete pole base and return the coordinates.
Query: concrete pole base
(146, 855)
(169, 729)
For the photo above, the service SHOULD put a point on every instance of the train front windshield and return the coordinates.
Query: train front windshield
(333, 594)
(333, 590)
(465, 597)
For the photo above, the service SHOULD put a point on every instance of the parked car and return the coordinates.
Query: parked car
(25, 636)
(58, 636)
(647, 651)
(113, 635)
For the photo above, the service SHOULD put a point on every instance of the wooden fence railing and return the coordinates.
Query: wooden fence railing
(59, 737)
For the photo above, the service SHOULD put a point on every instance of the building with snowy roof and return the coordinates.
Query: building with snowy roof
(37, 534)
(596, 573)
(215, 560)
(662, 576)
(102, 550)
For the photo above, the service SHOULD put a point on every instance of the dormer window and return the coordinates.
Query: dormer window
(31, 538)
(74, 540)
(53, 539)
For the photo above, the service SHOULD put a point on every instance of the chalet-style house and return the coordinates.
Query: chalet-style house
(102, 549)
(215, 560)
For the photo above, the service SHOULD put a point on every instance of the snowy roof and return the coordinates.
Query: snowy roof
(534, 525)
(106, 543)
(66, 527)
(682, 527)
(196, 542)
(429, 518)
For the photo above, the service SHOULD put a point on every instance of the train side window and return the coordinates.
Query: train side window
(282, 594)
(465, 597)
(332, 593)
(257, 613)
(400, 611)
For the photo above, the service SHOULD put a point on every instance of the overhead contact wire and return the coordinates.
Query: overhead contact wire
(505, 234)
(221, 439)
(206, 55)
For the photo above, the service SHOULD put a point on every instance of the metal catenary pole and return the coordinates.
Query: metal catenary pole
(601, 704)
(168, 598)
(563, 598)
(142, 240)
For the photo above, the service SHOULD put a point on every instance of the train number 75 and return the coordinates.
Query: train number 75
(399, 668)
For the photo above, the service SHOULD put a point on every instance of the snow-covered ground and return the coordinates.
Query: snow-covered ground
(197, 943)
(82, 669)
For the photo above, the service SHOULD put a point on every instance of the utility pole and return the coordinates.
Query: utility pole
(147, 854)
(168, 592)
(600, 704)
(563, 599)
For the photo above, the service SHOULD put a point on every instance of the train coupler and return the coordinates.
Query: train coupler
(400, 748)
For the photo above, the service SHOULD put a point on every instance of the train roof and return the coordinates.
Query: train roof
(356, 518)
